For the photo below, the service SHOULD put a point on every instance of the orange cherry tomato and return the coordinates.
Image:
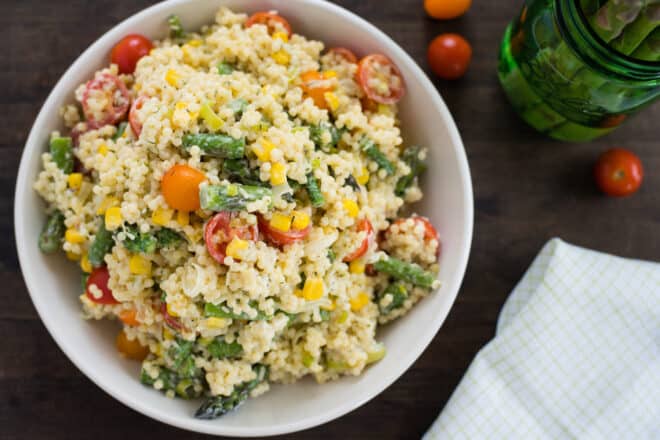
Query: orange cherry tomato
(129, 317)
(280, 238)
(99, 278)
(133, 120)
(449, 56)
(315, 85)
(618, 172)
(380, 79)
(129, 50)
(131, 349)
(446, 9)
(271, 19)
(363, 225)
(180, 187)
(344, 53)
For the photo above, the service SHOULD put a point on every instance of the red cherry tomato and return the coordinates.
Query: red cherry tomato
(99, 277)
(280, 238)
(380, 79)
(129, 50)
(105, 87)
(271, 19)
(133, 120)
(618, 172)
(346, 54)
(430, 233)
(169, 319)
(219, 231)
(363, 225)
(449, 56)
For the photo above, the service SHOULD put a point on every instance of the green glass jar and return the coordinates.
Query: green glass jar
(566, 80)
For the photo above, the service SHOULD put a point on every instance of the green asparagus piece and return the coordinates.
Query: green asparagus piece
(61, 149)
(417, 167)
(52, 234)
(183, 387)
(239, 170)
(649, 50)
(222, 311)
(232, 197)
(325, 136)
(216, 406)
(121, 128)
(613, 16)
(633, 35)
(101, 245)
(216, 145)
(176, 29)
(238, 106)
(399, 294)
(221, 349)
(372, 151)
(225, 68)
(405, 271)
(314, 191)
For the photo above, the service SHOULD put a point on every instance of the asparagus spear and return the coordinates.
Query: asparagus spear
(633, 35)
(101, 245)
(216, 145)
(372, 151)
(405, 271)
(52, 234)
(417, 167)
(325, 136)
(399, 294)
(61, 149)
(232, 197)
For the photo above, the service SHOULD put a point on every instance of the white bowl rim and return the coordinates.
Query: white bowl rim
(185, 421)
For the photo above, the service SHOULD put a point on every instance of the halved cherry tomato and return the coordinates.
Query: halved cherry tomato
(129, 317)
(280, 238)
(132, 349)
(129, 50)
(99, 278)
(449, 56)
(112, 93)
(346, 54)
(430, 233)
(169, 319)
(618, 172)
(315, 85)
(446, 9)
(368, 105)
(219, 231)
(363, 225)
(380, 79)
(180, 187)
(133, 119)
(271, 19)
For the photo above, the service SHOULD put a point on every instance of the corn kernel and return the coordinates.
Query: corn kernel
(298, 293)
(74, 180)
(105, 204)
(262, 150)
(235, 246)
(167, 334)
(113, 218)
(356, 266)
(277, 174)
(139, 265)
(281, 36)
(313, 289)
(73, 256)
(172, 77)
(282, 57)
(359, 301)
(195, 42)
(316, 163)
(170, 311)
(85, 265)
(214, 322)
(73, 236)
(329, 74)
(183, 218)
(280, 222)
(161, 216)
(300, 220)
(351, 207)
(343, 316)
(103, 149)
(363, 177)
(329, 307)
(181, 105)
(332, 100)
(210, 117)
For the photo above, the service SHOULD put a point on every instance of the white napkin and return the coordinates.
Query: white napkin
(576, 355)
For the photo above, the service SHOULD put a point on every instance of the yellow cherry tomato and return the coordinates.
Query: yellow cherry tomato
(446, 9)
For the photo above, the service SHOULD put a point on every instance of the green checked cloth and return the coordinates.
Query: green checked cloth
(576, 355)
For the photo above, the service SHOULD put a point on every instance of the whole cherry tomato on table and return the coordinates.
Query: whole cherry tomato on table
(129, 50)
(449, 56)
(618, 172)
(446, 9)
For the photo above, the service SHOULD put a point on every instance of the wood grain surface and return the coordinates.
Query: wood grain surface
(527, 190)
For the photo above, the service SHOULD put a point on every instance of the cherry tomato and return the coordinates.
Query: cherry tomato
(99, 278)
(449, 56)
(446, 9)
(368, 105)
(129, 50)
(133, 119)
(315, 85)
(169, 319)
(363, 225)
(430, 233)
(380, 79)
(131, 349)
(271, 19)
(618, 172)
(129, 317)
(219, 231)
(344, 53)
(110, 91)
(180, 187)
(280, 238)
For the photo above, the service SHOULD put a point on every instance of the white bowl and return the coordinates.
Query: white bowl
(54, 282)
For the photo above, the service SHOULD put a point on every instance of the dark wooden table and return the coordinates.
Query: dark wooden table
(527, 190)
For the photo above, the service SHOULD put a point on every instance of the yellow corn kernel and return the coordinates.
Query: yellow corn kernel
(183, 218)
(180, 105)
(113, 218)
(329, 74)
(214, 322)
(363, 177)
(351, 207)
(171, 312)
(332, 100)
(329, 307)
(235, 246)
(210, 117)
(282, 57)
(73, 256)
(300, 220)
(356, 267)
(73, 236)
(281, 36)
(298, 293)
(313, 289)
(161, 216)
(167, 334)
(280, 222)
(343, 316)
(262, 149)
(85, 265)
(103, 149)
(139, 265)
(75, 180)
(277, 174)
(172, 77)
(105, 204)
(359, 301)
(195, 42)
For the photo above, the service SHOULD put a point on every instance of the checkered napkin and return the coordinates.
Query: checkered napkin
(576, 355)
